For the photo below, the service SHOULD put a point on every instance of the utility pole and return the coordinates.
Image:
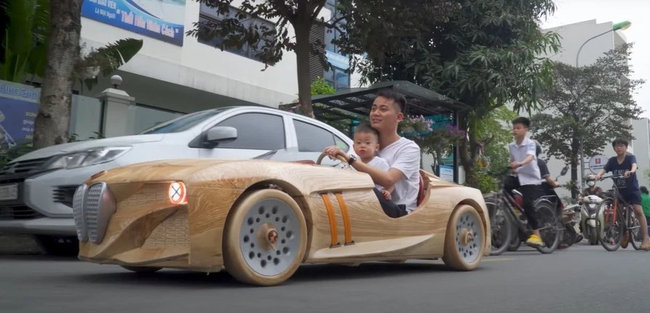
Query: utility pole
(618, 26)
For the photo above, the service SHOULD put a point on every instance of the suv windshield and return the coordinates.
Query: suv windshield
(184, 122)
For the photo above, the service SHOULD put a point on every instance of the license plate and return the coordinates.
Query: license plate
(9, 192)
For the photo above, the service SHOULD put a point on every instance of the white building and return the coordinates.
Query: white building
(572, 37)
(641, 145)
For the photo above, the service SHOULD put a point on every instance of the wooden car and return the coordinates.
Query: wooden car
(261, 219)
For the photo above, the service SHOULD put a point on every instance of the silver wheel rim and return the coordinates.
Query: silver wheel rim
(270, 237)
(468, 237)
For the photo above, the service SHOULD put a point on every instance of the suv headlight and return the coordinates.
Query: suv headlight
(86, 157)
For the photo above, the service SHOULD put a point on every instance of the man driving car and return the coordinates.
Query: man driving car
(403, 155)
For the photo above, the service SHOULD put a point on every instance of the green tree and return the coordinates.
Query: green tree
(485, 55)
(591, 103)
(372, 23)
(25, 28)
(25, 34)
(494, 135)
(44, 41)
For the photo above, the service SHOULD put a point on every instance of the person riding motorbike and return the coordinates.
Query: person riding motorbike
(591, 189)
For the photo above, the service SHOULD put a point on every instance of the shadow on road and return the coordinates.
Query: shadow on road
(306, 273)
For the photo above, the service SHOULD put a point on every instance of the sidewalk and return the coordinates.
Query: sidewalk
(18, 244)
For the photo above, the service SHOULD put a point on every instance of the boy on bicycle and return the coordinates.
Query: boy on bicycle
(523, 155)
(624, 164)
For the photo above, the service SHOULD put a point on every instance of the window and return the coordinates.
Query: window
(184, 122)
(331, 34)
(312, 138)
(145, 117)
(256, 131)
(211, 15)
(338, 78)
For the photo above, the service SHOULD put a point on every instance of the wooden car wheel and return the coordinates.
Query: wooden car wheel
(465, 239)
(265, 238)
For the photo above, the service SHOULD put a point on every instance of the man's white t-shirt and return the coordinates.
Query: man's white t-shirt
(381, 164)
(404, 155)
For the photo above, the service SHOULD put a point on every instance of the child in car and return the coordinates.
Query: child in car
(366, 144)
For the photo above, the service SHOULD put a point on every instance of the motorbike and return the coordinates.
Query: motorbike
(588, 216)
(571, 221)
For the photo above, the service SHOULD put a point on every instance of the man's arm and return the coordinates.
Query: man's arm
(531, 151)
(608, 167)
(407, 162)
(634, 165)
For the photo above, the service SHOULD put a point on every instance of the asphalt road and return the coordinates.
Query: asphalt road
(580, 279)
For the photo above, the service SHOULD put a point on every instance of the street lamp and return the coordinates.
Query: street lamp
(618, 26)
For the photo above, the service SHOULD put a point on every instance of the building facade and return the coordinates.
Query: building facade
(641, 143)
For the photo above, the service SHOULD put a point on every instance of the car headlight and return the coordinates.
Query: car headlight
(86, 157)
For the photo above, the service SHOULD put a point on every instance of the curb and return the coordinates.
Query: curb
(18, 245)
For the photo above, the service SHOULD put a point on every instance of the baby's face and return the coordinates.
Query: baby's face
(365, 144)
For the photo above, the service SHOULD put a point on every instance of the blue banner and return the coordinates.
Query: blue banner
(337, 60)
(160, 19)
(18, 109)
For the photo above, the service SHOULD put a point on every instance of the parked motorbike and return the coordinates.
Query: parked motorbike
(571, 221)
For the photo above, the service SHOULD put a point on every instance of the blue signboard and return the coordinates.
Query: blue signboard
(160, 19)
(18, 109)
(337, 60)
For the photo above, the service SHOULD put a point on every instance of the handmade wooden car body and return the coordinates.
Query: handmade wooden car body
(261, 219)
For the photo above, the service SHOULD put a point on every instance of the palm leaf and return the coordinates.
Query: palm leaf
(109, 58)
(24, 33)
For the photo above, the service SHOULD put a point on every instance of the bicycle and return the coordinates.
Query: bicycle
(619, 222)
(505, 206)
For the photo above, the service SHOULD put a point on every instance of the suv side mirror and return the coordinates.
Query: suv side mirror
(219, 134)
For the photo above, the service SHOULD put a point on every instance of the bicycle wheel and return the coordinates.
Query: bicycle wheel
(634, 229)
(550, 227)
(610, 232)
(501, 227)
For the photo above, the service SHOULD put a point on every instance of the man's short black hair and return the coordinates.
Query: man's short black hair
(366, 129)
(644, 190)
(522, 120)
(397, 97)
(619, 141)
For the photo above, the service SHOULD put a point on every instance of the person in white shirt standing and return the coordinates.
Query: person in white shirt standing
(403, 155)
(523, 156)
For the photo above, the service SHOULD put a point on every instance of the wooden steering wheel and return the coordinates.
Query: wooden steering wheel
(338, 157)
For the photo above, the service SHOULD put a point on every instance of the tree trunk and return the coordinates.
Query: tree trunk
(53, 119)
(467, 148)
(303, 51)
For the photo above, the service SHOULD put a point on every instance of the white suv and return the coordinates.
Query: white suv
(36, 189)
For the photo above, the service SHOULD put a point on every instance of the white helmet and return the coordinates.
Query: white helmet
(591, 180)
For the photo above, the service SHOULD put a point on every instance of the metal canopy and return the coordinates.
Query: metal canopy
(355, 103)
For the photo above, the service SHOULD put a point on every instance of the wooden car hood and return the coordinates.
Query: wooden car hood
(156, 170)
(198, 170)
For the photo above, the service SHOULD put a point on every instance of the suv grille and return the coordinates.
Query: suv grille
(18, 213)
(22, 166)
